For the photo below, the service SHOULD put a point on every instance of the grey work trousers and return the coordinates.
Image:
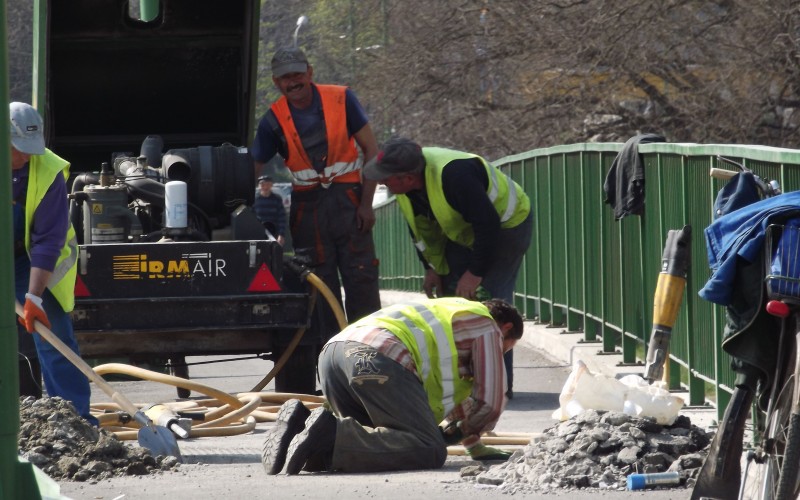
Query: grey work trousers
(324, 227)
(384, 419)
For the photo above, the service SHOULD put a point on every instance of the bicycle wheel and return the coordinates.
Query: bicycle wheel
(789, 482)
(771, 472)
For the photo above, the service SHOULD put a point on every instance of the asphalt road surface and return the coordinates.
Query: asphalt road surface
(230, 467)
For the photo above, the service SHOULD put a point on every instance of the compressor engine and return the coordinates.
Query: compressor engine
(191, 194)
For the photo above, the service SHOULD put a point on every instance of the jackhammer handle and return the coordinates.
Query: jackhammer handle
(79, 363)
(721, 173)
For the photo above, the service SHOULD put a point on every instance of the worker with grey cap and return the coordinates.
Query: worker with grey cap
(323, 135)
(45, 260)
(470, 223)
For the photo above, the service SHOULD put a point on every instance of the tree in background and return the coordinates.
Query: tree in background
(502, 77)
(20, 48)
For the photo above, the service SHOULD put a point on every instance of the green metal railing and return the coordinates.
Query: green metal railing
(596, 275)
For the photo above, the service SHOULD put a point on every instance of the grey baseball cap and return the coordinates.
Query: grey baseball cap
(27, 129)
(398, 156)
(288, 60)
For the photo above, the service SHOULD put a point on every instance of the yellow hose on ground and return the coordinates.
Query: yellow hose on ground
(232, 408)
(223, 414)
(226, 414)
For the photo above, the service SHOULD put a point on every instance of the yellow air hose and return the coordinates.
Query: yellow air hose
(224, 414)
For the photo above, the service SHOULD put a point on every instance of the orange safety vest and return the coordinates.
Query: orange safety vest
(343, 163)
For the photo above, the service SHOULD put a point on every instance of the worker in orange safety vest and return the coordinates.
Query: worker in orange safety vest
(315, 129)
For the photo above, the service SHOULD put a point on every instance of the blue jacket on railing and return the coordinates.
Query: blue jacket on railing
(741, 233)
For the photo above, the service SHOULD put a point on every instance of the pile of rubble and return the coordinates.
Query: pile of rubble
(600, 450)
(56, 439)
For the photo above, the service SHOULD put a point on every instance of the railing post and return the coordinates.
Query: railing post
(17, 479)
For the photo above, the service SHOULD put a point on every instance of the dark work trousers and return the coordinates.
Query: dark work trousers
(501, 277)
(384, 419)
(324, 227)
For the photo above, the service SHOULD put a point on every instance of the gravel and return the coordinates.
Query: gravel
(56, 439)
(599, 450)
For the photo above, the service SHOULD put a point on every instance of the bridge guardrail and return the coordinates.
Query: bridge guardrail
(596, 275)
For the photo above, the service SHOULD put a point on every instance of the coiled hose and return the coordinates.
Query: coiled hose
(224, 414)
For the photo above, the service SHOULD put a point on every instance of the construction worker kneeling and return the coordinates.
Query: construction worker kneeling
(390, 379)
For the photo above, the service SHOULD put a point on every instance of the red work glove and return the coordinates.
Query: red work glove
(33, 311)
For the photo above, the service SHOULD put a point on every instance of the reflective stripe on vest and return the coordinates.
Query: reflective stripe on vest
(343, 163)
(508, 198)
(42, 171)
(443, 347)
(425, 328)
(494, 193)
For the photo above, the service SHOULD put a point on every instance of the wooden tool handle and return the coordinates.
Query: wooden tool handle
(721, 173)
(76, 360)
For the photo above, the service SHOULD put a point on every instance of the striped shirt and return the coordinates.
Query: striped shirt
(479, 343)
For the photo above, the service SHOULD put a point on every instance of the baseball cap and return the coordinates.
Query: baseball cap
(265, 178)
(398, 156)
(27, 129)
(288, 60)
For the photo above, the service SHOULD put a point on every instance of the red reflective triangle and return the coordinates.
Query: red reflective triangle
(80, 288)
(264, 281)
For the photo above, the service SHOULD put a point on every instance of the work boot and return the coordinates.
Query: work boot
(320, 462)
(316, 440)
(291, 419)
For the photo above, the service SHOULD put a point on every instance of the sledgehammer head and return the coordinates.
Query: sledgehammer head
(164, 416)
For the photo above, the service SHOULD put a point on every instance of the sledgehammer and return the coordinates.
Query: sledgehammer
(666, 304)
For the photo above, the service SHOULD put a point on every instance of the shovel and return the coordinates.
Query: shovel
(156, 438)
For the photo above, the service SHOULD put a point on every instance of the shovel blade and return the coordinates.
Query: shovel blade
(160, 441)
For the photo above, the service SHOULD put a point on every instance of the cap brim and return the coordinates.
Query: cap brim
(29, 146)
(374, 172)
(285, 69)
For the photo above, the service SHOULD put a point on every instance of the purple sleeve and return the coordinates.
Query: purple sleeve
(50, 224)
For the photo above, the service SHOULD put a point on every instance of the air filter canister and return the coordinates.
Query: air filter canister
(175, 202)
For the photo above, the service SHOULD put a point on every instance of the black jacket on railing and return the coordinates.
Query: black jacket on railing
(624, 184)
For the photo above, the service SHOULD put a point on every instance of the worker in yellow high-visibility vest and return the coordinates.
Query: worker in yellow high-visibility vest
(45, 260)
(471, 224)
(402, 384)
